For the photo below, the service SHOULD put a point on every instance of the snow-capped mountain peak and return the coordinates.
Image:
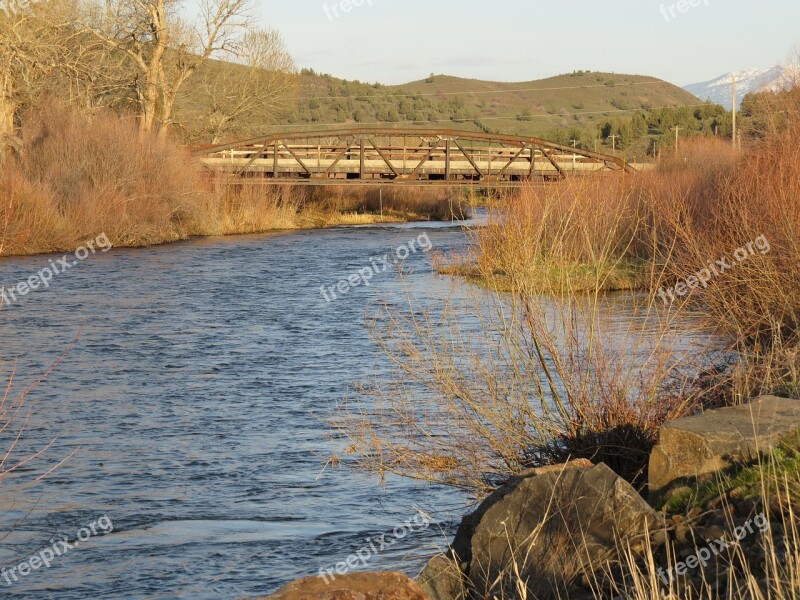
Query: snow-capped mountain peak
(719, 90)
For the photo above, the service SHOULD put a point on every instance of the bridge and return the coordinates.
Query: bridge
(402, 156)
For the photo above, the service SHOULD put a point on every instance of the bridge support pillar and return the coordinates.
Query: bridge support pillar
(361, 160)
(447, 160)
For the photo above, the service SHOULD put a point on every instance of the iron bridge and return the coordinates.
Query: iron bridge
(397, 156)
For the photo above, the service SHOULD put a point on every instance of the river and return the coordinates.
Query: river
(195, 387)
(191, 403)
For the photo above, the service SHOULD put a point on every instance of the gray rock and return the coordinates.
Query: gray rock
(549, 528)
(697, 446)
(442, 579)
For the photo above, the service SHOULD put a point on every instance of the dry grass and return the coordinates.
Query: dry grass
(709, 208)
(534, 374)
(79, 176)
(767, 568)
(577, 236)
(492, 384)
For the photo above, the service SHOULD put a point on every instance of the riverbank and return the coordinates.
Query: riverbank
(580, 532)
(78, 177)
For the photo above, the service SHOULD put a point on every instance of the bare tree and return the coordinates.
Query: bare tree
(35, 37)
(255, 84)
(166, 50)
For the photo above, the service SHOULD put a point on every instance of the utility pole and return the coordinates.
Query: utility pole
(735, 106)
(613, 139)
(676, 129)
(574, 145)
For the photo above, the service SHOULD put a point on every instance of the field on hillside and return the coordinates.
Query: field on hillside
(556, 108)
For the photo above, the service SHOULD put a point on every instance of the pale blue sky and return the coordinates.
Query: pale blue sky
(395, 41)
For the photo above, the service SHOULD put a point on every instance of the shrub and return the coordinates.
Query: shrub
(79, 176)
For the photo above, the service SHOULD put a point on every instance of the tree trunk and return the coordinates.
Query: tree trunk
(167, 111)
(148, 98)
(7, 112)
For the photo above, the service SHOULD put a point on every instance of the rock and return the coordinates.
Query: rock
(746, 508)
(461, 545)
(678, 492)
(683, 533)
(356, 586)
(715, 532)
(698, 446)
(442, 579)
(556, 525)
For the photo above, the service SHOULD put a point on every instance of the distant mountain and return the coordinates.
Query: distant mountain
(752, 80)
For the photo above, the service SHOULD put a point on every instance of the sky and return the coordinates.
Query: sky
(396, 41)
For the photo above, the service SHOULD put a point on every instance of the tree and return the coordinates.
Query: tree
(164, 50)
(259, 83)
(34, 41)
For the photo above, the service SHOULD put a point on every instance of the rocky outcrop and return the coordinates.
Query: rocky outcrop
(547, 527)
(695, 447)
(357, 586)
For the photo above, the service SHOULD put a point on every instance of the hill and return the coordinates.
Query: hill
(546, 108)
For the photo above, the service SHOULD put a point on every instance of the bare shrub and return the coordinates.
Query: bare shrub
(79, 176)
(707, 208)
(494, 383)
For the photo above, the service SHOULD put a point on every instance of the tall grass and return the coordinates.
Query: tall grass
(490, 384)
(579, 236)
(536, 374)
(706, 209)
(79, 175)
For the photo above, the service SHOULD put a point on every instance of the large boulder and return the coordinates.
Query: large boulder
(355, 586)
(546, 529)
(691, 448)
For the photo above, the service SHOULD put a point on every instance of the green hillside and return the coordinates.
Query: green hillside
(525, 108)
(577, 105)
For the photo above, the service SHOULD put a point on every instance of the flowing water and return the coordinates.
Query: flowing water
(191, 402)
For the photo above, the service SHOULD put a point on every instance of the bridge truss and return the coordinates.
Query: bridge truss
(397, 156)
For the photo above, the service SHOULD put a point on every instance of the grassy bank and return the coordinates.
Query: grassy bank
(78, 176)
(549, 376)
